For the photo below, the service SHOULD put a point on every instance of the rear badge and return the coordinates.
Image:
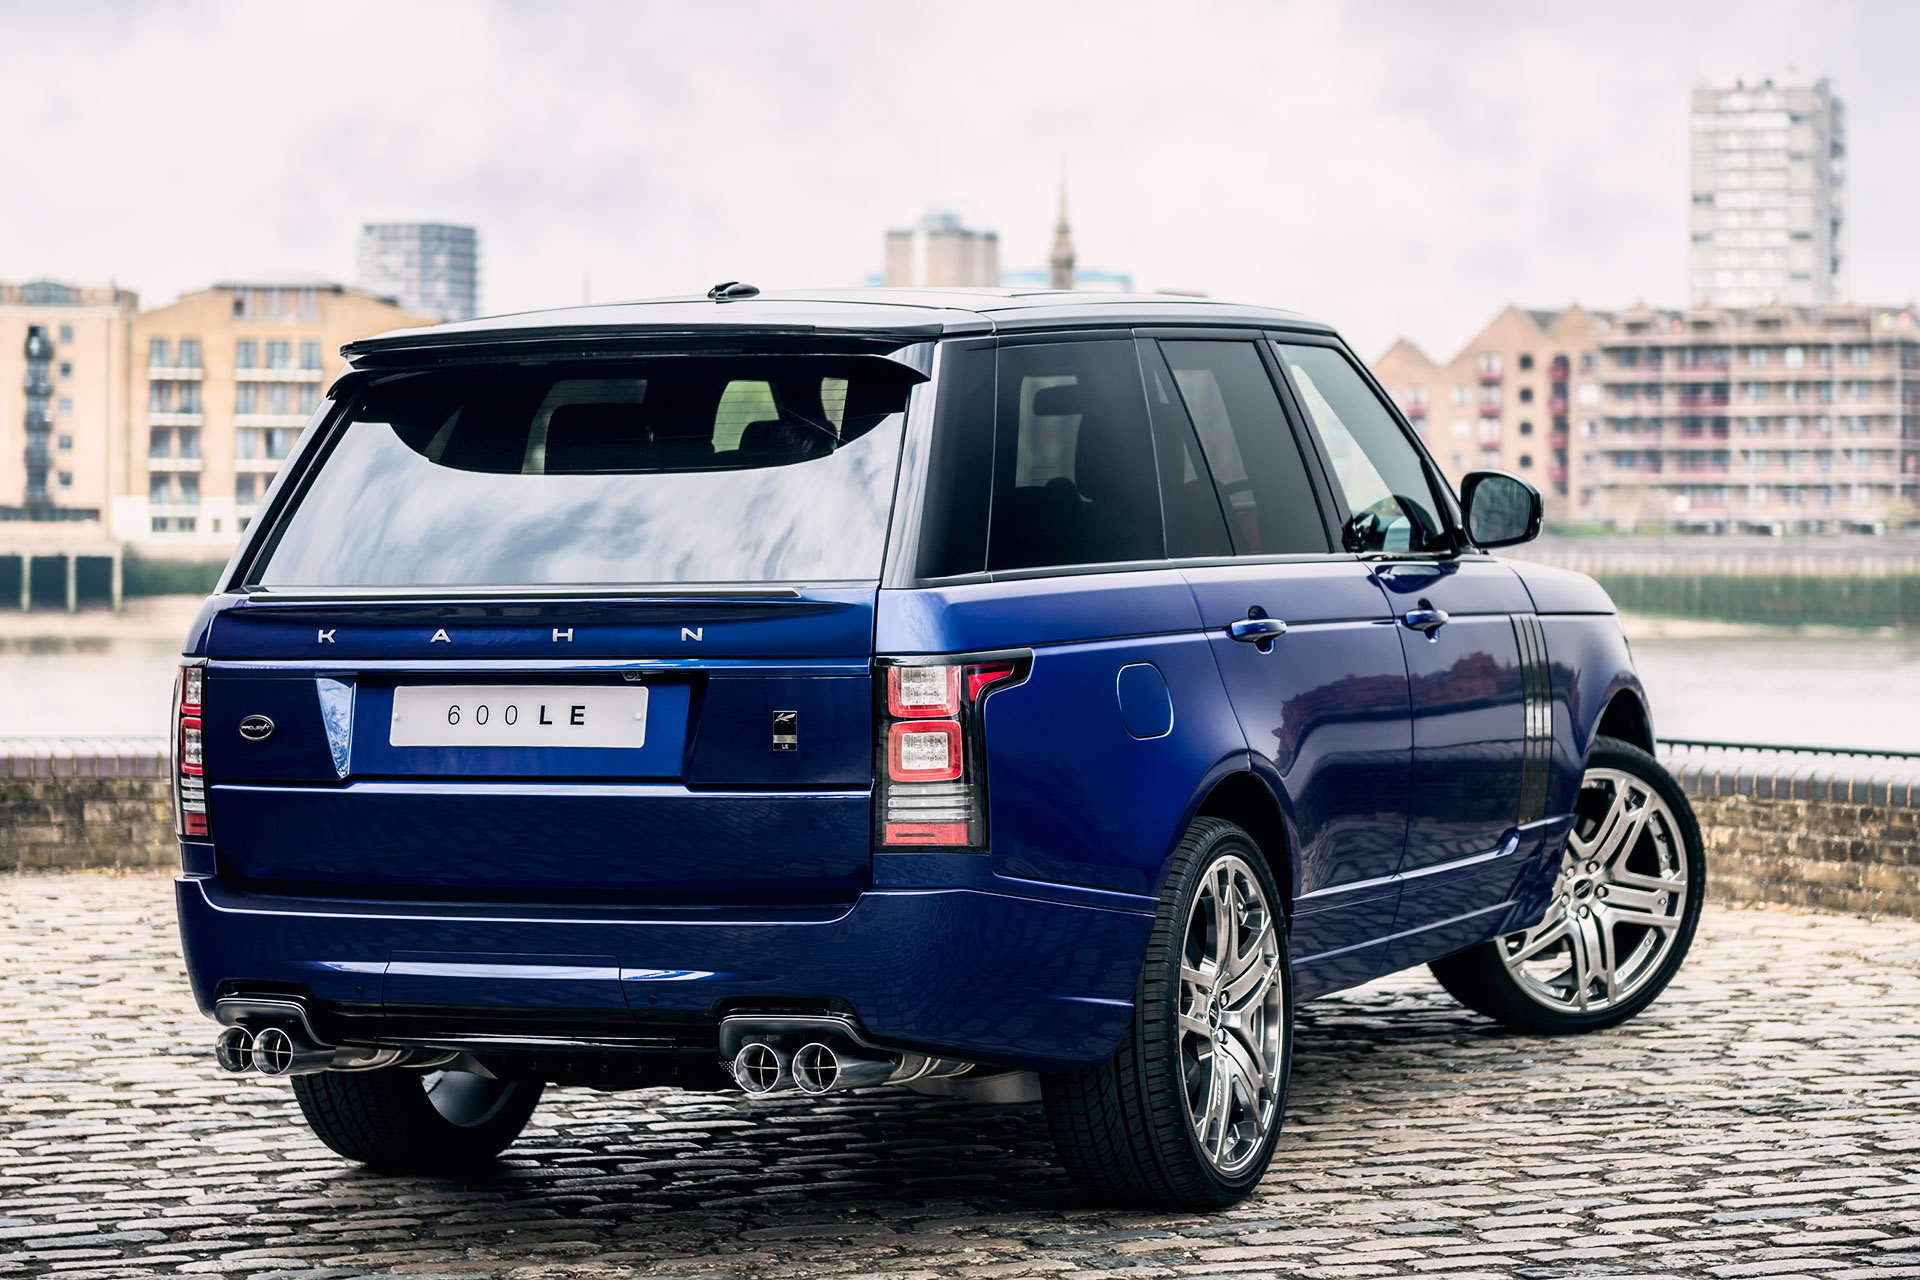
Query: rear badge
(786, 731)
(256, 728)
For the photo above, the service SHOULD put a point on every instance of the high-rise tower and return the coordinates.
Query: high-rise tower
(1060, 261)
(1769, 170)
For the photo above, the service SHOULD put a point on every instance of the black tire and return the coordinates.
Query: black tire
(1125, 1129)
(1479, 976)
(388, 1120)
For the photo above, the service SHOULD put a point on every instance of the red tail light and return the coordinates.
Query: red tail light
(189, 751)
(931, 759)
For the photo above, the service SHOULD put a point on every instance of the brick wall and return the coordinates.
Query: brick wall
(1813, 830)
(85, 803)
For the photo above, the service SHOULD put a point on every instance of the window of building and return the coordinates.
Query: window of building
(1526, 395)
(1488, 362)
(245, 397)
(279, 398)
(243, 488)
(309, 397)
(1457, 394)
(1461, 429)
(189, 353)
(1795, 357)
(189, 438)
(66, 406)
(160, 488)
(1489, 431)
(1587, 362)
(66, 479)
(245, 353)
(66, 442)
(159, 397)
(309, 355)
(1859, 356)
(66, 333)
(66, 368)
(1526, 461)
(1526, 428)
(189, 482)
(279, 354)
(160, 442)
(1589, 394)
(189, 397)
(157, 353)
(1526, 360)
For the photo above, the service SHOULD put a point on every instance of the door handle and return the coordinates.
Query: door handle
(1425, 621)
(1258, 631)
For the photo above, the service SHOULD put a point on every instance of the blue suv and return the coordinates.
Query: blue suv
(1016, 697)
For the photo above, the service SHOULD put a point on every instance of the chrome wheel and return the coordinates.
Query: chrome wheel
(1618, 902)
(466, 1098)
(1232, 1015)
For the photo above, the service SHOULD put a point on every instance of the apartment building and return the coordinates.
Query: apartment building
(940, 251)
(1514, 398)
(63, 390)
(430, 268)
(1765, 420)
(223, 381)
(1769, 182)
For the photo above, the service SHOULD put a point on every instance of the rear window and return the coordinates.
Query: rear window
(687, 469)
(1074, 479)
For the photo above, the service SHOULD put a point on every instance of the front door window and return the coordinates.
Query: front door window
(1378, 469)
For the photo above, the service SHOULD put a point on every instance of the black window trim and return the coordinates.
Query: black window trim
(1445, 500)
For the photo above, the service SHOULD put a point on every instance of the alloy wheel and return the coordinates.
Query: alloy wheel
(1232, 1015)
(1618, 901)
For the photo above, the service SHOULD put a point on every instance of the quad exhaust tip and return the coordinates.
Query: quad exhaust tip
(233, 1050)
(819, 1068)
(760, 1068)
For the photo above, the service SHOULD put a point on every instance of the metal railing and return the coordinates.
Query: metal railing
(1781, 748)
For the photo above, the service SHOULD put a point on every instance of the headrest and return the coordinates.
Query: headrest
(1054, 402)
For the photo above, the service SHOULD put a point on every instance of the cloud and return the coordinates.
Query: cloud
(1392, 167)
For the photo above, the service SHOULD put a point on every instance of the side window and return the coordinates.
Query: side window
(1074, 475)
(1251, 452)
(1377, 468)
(1187, 497)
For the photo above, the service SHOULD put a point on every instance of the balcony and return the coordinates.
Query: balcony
(1557, 405)
(257, 466)
(156, 418)
(175, 373)
(1414, 412)
(285, 420)
(278, 375)
(39, 384)
(173, 464)
(39, 347)
(1489, 376)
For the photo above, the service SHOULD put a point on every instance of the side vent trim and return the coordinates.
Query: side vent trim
(1536, 694)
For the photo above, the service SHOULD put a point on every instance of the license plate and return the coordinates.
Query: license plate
(492, 715)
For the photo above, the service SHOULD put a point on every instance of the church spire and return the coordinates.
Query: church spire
(1060, 262)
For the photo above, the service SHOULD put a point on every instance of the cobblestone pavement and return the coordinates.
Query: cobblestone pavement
(1762, 1120)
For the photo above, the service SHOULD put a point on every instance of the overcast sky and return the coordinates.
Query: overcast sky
(1396, 168)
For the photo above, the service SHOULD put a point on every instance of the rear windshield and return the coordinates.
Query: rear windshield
(685, 469)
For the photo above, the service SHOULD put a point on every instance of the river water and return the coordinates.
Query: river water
(96, 675)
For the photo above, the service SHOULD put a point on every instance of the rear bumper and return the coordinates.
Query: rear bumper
(963, 972)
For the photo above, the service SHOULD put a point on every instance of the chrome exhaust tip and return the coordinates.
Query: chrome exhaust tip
(818, 1069)
(759, 1068)
(273, 1052)
(233, 1050)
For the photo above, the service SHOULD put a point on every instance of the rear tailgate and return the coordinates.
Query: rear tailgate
(702, 748)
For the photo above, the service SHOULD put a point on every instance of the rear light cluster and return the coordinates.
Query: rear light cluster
(931, 745)
(189, 752)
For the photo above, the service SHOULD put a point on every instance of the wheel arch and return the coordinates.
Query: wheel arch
(1243, 798)
(1624, 717)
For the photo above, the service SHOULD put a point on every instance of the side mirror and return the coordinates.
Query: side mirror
(1501, 509)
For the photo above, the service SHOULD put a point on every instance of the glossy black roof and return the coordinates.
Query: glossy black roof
(902, 314)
